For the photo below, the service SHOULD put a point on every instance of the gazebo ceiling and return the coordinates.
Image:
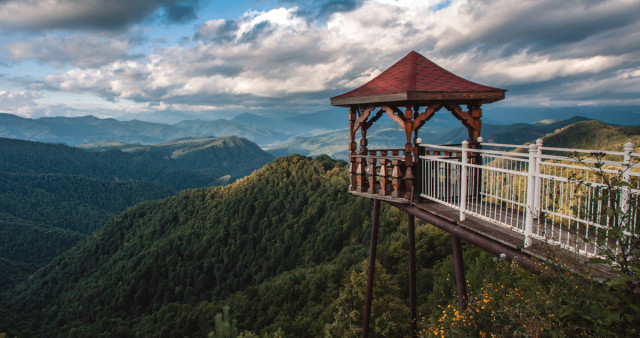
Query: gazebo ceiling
(415, 80)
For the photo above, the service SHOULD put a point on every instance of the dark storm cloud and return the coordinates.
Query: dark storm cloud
(324, 8)
(545, 27)
(217, 30)
(38, 15)
(180, 12)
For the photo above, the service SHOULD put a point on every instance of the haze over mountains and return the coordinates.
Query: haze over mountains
(275, 130)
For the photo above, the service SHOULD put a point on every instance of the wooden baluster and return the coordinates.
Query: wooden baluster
(396, 176)
(361, 175)
(353, 169)
(408, 175)
(372, 171)
(384, 174)
(409, 179)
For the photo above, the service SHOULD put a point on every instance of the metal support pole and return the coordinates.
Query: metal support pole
(411, 230)
(528, 224)
(538, 180)
(626, 177)
(461, 284)
(463, 179)
(370, 271)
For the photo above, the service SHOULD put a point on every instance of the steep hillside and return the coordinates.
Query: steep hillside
(284, 248)
(593, 135)
(200, 245)
(53, 195)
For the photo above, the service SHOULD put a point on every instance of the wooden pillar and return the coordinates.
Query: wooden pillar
(412, 274)
(461, 282)
(372, 170)
(384, 174)
(353, 146)
(370, 271)
(476, 116)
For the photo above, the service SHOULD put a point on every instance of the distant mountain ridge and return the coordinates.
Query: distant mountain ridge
(275, 129)
(90, 129)
(388, 135)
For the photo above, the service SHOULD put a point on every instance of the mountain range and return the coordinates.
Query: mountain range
(90, 129)
(388, 135)
(278, 131)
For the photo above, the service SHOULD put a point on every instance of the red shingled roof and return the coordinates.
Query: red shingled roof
(416, 78)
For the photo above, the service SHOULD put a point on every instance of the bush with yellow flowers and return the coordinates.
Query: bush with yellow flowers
(507, 301)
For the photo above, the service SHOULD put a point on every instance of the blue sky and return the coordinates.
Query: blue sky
(156, 59)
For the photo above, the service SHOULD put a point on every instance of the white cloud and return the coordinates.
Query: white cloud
(279, 58)
(18, 103)
(81, 50)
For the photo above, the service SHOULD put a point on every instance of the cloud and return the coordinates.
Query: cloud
(81, 50)
(40, 15)
(322, 9)
(19, 103)
(541, 50)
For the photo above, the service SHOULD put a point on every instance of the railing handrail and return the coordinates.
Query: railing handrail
(536, 184)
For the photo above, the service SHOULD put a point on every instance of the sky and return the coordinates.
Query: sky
(173, 59)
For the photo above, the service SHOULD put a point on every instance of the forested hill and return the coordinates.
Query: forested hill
(594, 135)
(284, 248)
(54, 195)
(198, 246)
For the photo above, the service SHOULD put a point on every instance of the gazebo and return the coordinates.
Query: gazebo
(410, 92)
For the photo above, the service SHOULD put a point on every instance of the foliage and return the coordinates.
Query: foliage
(388, 312)
(53, 195)
(225, 326)
(618, 211)
(508, 301)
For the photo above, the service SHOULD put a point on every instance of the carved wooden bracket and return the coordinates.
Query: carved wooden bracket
(470, 119)
(425, 116)
(396, 115)
(363, 117)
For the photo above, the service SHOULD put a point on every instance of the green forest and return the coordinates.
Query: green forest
(52, 195)
(285, 251)
(279, 253)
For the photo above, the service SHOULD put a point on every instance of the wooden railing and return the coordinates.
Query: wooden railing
(382, 173)
(388, 173)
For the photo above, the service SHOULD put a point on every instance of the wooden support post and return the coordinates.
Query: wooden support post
(372, 170)
(396, 177)
(412, 274)
(375, 216)
(461, 282)
(384, 174)
(353, 146)
(361, 174)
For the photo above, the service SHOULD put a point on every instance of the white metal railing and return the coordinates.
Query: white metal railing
(557, 195)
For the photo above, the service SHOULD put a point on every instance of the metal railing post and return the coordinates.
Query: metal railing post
(537, 189)
(463, 179)
(626, 177)
(531, 175)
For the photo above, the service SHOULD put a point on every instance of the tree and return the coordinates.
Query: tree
(389, 314)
